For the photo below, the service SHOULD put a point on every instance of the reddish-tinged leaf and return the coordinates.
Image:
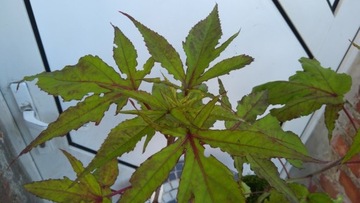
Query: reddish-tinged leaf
(90, 110)
(199, 46)
(263, 139)
(90, 75)
(225, 66)
(60, 191)
(125, 55)
(161, 50)
(205, 179)
(107, 174)
(88, 180)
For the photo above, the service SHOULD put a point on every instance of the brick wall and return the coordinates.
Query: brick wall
(342, 179)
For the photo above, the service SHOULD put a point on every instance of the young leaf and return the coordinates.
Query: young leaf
(264, 139)
(225, 66)
(60, 191)
(266, 169)
(161, 50)
(307, 90)
(199, 46)
(224, 98)
(89, 75)
(152, 173)
(205, 113)
(331, 115)
(89, 181)
(205, 179)
(90, 110)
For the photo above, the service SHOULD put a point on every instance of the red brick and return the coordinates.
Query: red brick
(351, 190)
(355, 166)
(328, 186)
(339, 145)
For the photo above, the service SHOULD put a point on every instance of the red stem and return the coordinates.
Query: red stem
(119, 192)
(350, 118)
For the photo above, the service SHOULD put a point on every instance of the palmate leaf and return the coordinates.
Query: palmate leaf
(307, 90)
(89, 75)
(152, 173)
(266, 169)
(263, 139)
(161, 50)
(205, 179)
(90, 110)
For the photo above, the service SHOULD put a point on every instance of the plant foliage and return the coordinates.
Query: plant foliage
(185, 115)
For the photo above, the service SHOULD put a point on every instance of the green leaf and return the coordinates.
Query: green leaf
(152, 173)
(90, 110)
(252, 105)
(120, 140)
(307, 90)
(225, 102)
(354, 148)
(302, 194)
(319, 197)
(264, 139)
(204, 113)
(90, 75)
(143, 97)
(331, 115)
(106, 175)
(161, 50)
(266, 169)
(199, 46)
(89, 181)
(205, 179)
(225, 66)
(125, 56)
(59, 190)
